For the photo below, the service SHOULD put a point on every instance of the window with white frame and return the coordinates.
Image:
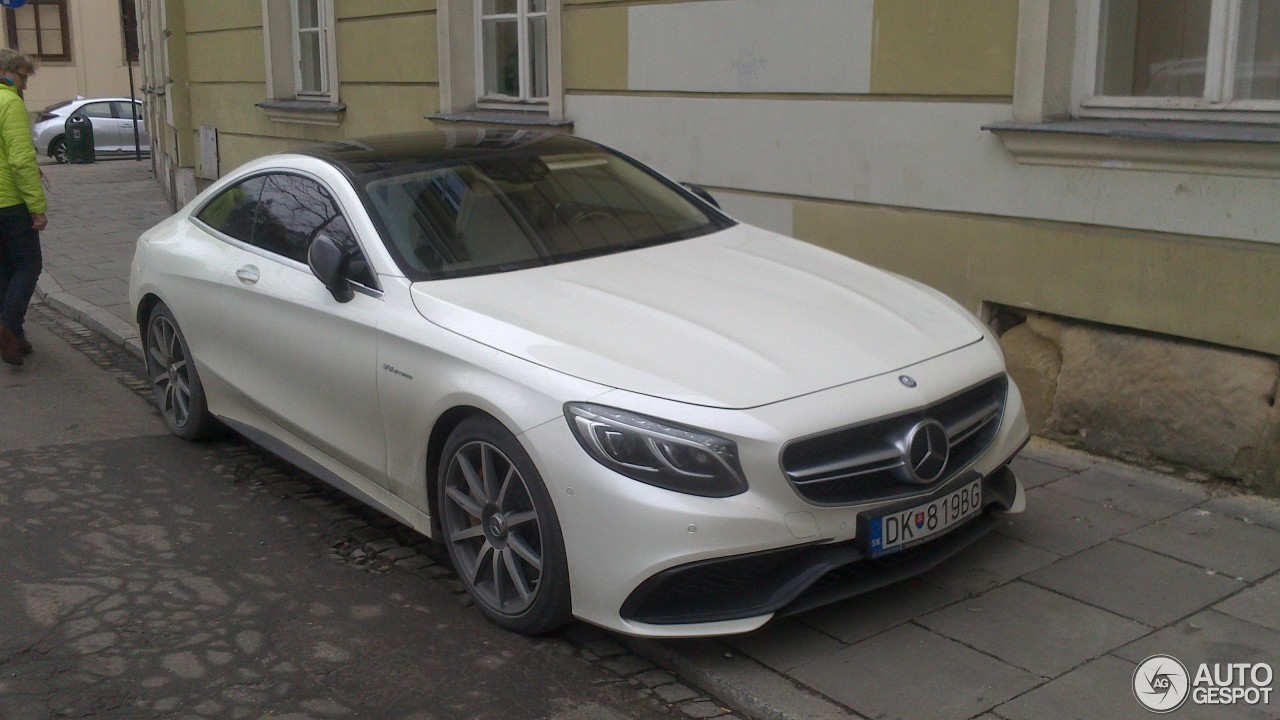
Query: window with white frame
(310, 47)
(302, 63)
(1205, 59)
(511, 47)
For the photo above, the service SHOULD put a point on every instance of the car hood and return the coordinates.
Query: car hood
(737, 319)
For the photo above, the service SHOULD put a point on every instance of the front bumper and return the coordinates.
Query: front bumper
(795, 579)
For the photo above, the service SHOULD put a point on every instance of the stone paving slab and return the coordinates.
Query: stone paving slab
(1213, 541)
(1066, 632)
(911, 673)
(1135, 583)
(1259, 604)
(1096, 690)
(1143, 495)
(1065, 524)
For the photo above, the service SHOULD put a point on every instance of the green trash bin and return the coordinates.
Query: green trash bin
(79, 140)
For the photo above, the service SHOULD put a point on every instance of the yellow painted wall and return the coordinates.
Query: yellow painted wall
(1217, 291)
(227, 56)
(368, 8)
(944, 47)
(402, 49)
(380, 109)
(205, 15)
(594, 52)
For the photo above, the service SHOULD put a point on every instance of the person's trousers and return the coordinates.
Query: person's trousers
(20, 265)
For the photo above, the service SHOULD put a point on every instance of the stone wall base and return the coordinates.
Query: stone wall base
(1148, 399)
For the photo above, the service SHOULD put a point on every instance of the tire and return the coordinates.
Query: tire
(501, 529)
(58, 150)
(178, 391)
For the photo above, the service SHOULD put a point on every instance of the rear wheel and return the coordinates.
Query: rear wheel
(178, 391)
(501, 529)
(58, 150)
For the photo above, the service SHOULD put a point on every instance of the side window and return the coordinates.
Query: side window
(127, 110)
(294, 211)
(232, 211)
(96, 110)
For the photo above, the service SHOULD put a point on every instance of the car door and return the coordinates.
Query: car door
(306, 362)
(106, 127)
(125, 112)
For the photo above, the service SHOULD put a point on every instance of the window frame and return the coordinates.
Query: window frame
(324, 11)
(1216, 103)
(11, 22)
(524, 54)
(284, 102)
(267, 175)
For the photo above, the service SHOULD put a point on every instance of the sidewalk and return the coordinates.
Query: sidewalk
(1046, 618)
(96, 213)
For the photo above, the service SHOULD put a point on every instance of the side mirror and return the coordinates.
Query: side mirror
(328, 261)
(702, 194)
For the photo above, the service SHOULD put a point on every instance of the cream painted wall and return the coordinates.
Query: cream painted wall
(97, 67)
(815, 46)
(928, 155)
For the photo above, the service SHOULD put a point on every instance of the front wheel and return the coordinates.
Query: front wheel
(58, 150)
(501, 529)
(178, 391)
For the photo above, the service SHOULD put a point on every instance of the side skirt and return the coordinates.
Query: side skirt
(375, 497)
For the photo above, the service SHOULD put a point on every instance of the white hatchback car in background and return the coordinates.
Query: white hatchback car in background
(112, 120)
(606, 398)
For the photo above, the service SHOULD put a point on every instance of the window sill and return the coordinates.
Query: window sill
(516, 118)
(1159, 145)
(305, 112)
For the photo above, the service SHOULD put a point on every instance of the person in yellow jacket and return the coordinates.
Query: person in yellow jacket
(22, 207)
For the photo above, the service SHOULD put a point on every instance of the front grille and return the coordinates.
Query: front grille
(865, 462)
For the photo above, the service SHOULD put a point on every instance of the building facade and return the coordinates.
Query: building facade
(85, 48)
(1096, 178)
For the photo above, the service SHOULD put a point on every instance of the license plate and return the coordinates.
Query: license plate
(898, 530)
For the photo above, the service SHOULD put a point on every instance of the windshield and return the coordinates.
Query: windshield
(526, 209)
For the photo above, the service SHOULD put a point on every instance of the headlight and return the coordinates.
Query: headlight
(657, 453)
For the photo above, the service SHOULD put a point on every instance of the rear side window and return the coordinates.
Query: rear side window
(232, 211)
(96, 110)
(127, 110)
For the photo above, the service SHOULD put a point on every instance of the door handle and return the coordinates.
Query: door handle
(248, 274)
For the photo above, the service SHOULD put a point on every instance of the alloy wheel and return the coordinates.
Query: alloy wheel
(170, 371)
(493, 528)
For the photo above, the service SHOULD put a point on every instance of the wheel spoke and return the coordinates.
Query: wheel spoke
(464, 501)
(486, 550)
(506, 486)
(496, 570)
(526, 553)
(158, 357)
(515, 520)
(518, 580)
(184, 407)
(474, 482)
(470, 533)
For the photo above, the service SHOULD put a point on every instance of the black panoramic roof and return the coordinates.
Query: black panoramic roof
(362, 156)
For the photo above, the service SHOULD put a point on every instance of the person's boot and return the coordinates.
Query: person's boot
(10, 351)
(24, 345)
